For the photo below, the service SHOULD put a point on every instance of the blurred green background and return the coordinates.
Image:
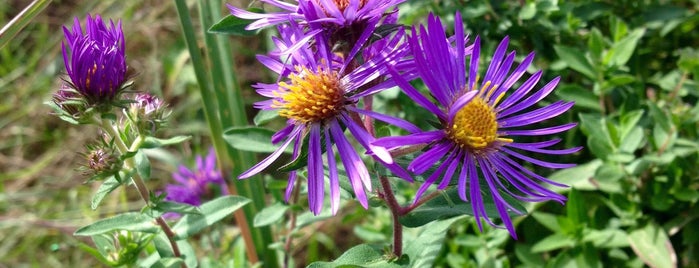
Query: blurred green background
(631, 67)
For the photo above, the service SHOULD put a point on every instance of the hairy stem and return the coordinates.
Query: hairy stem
(292, 225)
(137, 180)
(396, 212)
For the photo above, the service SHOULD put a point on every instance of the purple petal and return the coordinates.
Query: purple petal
(412, 139)
(316, 189)
(386, 118)
(356, 170)
(365, 139)
(332, 171)
(460, 103)
(535, 116)
(536, 161)
(423, 162)
(541, 131)
(257, 168)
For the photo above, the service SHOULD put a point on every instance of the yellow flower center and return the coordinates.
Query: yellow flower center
(310, 97)
(475, 125)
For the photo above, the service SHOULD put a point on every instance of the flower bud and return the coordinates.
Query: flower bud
(95, 59)
(68, 100)
(147, 112)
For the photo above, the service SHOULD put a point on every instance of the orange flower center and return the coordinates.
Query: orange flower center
(310, 97)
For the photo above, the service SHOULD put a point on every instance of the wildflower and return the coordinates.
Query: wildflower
(348, 21)
(101, 160)
(193, 184)
(318, 97)
(147, 112)
(95, 60)
(480, 122)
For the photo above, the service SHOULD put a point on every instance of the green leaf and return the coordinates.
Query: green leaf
(232, 25)
(359, 256)
(270, 214)
(582, 97)
(548, 220)
(596, 44)
(575, 208)
(142, 164)
(264, 116)
(578, 177)
(169, 262)
(107, 187)
(8, 32)
(528, 11)
(369, 235)
(599, 139)
(632, 140)
(130, 221)
(653, 246)
(425, 247)
(252, 139)
(212, 211)
(153, 142)
(527, 257)
(575, 59)
(449, 205)
(553, 242)
(621, 51)
(607, 238)
(95, 253)
(181, 208)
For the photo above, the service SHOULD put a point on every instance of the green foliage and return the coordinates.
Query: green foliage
(233, 26)
(253, 139)
(448, 205)
(211, 212)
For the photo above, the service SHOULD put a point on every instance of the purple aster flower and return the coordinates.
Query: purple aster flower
(319, 95)
(95, 60)
(348, 21)
(193, 184)
(480, 122)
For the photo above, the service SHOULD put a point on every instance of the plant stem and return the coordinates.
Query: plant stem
(138, 181)
(396, 212)
(292, 225)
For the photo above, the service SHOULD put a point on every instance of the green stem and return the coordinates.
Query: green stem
(224, 108)
(137, 180)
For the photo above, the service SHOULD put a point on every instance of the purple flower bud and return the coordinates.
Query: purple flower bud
(102, 161)
(67, 99)
(95, 60)
(147, 104)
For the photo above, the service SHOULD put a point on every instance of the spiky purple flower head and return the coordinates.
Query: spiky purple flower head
(477, 143)
(95, 59)
(193, 184)
(318, 93)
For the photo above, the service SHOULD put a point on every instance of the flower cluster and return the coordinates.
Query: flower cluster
(331, 58)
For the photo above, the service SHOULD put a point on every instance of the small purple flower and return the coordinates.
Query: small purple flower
(318, 95)
(147, 103)
(193, 184)
(480, 122)
(95, 60)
